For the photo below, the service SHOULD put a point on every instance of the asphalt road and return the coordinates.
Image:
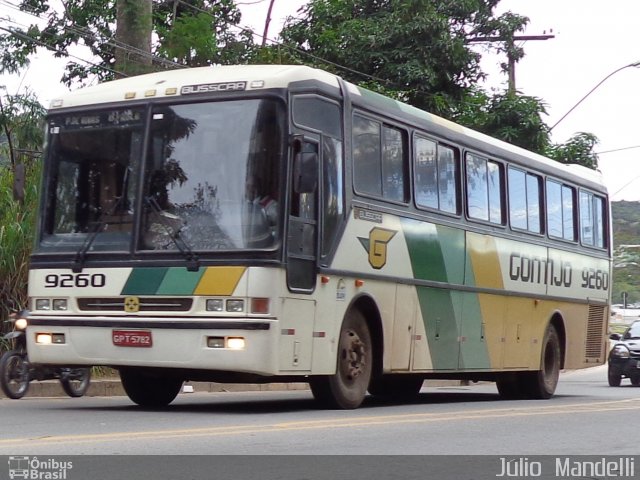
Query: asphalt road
(585, 417)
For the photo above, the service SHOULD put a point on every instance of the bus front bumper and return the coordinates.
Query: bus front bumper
(239, 344)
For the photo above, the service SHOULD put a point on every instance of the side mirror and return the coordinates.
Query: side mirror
(615, 336)
(19, 175)
(305, 172)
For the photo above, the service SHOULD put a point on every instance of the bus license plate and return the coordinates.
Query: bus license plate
(132, 338)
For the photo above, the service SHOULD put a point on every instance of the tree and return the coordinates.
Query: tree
(133, 30)
(417, 50)
(188, 33)
(201, 32)
(511, 117)
(21, 125)
(578, 149)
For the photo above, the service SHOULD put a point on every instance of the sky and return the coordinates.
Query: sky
(592, 40)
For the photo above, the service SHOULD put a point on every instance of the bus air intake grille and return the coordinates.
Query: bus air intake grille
(146, 304)
(595, 327)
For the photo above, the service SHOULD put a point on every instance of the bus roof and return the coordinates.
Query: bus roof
(171, 83)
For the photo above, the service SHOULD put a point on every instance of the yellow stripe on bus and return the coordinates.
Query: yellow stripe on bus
(219, 280)
(485, 262)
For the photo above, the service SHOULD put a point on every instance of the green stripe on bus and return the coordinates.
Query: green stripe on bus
(474, 353)
(425, 253)
(144, 281)
(180, 281)
(438, 312)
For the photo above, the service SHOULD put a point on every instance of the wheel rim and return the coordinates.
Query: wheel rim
(353, 357)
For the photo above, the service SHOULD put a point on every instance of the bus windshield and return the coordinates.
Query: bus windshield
(210, 178)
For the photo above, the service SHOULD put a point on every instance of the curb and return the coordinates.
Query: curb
(111, 387)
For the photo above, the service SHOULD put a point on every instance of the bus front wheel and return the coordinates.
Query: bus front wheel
(149, 390)
(347, 388)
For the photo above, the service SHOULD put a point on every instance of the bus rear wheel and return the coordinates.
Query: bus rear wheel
(149, 390)
(542, 384)
(347, 388)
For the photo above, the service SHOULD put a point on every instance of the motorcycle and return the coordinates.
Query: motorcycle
(16, 372)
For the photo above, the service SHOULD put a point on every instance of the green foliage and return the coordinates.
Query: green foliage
(626, 242)
(418, 49)
(199, 33)
(188, 32)
(513, 118)
(17, 223)
(578, 149)
(21, 124)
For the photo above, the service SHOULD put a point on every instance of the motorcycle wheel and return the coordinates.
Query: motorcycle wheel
(75, 381)
(14, 374)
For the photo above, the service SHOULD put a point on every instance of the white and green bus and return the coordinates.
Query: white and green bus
(278, 224)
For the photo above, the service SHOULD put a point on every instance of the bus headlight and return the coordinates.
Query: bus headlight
(235, 305)
(60, 304)
(215, 305)
(43, 304)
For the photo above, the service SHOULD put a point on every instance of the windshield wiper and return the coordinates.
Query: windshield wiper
(100, 225)
(193, 263)
(81, 254)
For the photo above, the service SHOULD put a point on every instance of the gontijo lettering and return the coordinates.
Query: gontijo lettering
(539, 270)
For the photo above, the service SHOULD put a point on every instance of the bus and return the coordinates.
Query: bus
(276, 223)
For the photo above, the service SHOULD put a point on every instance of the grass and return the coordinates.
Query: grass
(17, 227)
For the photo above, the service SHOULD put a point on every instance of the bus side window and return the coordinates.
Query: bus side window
(436, 176)
(379, 159)
(484, 189)
(524, 200)
(560, 211)
(367, 172)
(592, 220)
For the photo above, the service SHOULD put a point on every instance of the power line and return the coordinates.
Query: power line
(294, 49)
(617, 150)
(634, 64)
(40, 43)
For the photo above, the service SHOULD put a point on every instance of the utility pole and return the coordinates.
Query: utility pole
(511, 58)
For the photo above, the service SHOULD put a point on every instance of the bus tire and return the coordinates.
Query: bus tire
(510, 386)
(396, 386)
(347, 388)
(542, 383)
(149, 390)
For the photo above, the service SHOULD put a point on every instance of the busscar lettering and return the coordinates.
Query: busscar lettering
(213, 87)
